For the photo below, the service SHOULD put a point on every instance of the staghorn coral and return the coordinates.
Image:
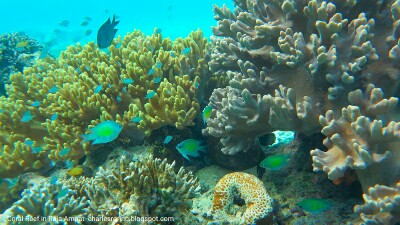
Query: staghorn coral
(85, 86)
(258, 204)
(54, 202)
(17, 51)
(292, 62)
(149, 187)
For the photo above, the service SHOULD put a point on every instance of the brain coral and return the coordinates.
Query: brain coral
(248, 187)
(64, 98)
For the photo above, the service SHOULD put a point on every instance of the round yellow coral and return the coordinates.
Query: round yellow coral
(250, 189)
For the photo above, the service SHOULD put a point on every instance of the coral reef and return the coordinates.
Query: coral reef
(54, 102)
(17, 51)
(49, 201)
(258, 204)
(292, 62)
(146, 188)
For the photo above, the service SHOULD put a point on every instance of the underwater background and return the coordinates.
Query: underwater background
(266, 112)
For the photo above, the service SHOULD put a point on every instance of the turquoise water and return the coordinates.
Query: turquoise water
(39, 19)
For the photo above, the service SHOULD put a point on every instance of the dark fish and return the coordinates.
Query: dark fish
(106, 33)
(87, 18)
(57, 31)
(106, 11)
(84, 23)
(88, 32)
(64, 23)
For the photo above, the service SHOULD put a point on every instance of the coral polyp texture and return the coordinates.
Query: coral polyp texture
(311, 66)
(50, 201)
(149, 187)
(56, 101)
(258, 204)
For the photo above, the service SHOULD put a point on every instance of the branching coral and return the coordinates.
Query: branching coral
(292, 62)
(149, 188)
(248, 187)
(143, 76)
(54, 202)
(382, 205)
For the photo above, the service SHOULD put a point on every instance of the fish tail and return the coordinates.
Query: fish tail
(203, 148)
(114, 22)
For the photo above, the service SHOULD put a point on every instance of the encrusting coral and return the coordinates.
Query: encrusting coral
(258, 204)
(305, 66)
(54, 102)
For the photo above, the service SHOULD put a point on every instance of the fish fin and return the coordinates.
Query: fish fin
(86, 138)
(114, 22)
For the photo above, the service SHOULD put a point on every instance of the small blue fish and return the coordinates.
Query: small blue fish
(124, 89)
(190, 147)
(207, 113)
(98, 89)
(119, 99)
(103, 132)
(151, 71)
(127, 81)
(167, 140)
(53, 117)
(196, 85)
(150, 95)
(53, 180)
(186, 50)
(36, 103)
(69, 164)
(29, 142)
(158, 65)
(173, 54)
(64, 152)
(137, 119)
(157, 30)
(53, 90)
(12, 182)
(62, 193)
(27, 117)
(157, 80)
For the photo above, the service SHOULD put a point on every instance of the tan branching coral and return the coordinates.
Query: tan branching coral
(258, 204)
(382, 205)
(292, 62)
(56, 101)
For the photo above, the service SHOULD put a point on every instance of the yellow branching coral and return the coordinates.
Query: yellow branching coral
(247, 187)
(56, 101)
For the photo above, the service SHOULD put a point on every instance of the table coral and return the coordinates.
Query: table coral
(248, 187)
(68, 86)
